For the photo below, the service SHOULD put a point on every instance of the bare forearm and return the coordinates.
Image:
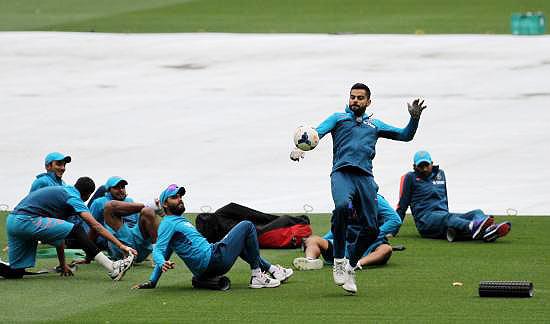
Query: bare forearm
(61, 254)
(126, 208)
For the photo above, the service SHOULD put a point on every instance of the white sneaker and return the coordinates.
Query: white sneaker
(349, 284)
(120, 267)
(307, 264)
(263, 281)
(282, 274)
(338, 271)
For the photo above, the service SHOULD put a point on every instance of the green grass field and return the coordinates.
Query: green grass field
(266, 16)
(416, 286)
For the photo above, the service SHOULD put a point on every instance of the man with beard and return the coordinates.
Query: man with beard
(425, 190)
(354, 135)
(204, 259)
(55, 167)
(130, 222)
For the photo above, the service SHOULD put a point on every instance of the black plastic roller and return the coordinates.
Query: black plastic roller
(506, 289)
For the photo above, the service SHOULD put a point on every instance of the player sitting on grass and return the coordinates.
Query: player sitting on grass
(128, 221)
(425, 190)
(206, 260)
(140, 235)
(377, 253)
(41, 217)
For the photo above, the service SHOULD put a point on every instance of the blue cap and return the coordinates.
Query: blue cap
(422, 156)
(171, 191)
(114, 181)
(56, 156)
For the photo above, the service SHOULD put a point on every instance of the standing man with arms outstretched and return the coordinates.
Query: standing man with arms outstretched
(354, 136)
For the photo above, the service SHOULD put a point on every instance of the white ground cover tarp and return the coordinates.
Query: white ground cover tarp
(216, 113)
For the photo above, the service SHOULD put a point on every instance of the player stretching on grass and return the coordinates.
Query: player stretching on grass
(130, 222)
(377, 253)
(41, 217)
(425, 190)
(205, 260)
(121, 214)
(354, 136)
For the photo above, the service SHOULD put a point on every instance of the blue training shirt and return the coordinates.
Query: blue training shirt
(98, 206)
(55, 202)
(46, 179)
(176, 233)
(425, 196)
(354, 138)
(391, 223)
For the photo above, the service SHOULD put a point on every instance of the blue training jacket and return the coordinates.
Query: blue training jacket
(425, 196)
(55, 202)
(46, 179)
(354, 138)
(390, 220)
(176, 233)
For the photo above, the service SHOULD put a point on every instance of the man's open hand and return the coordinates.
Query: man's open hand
(415, 109)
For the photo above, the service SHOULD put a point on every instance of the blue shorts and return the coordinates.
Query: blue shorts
(328, 254)
(25, 231)
(130, 236)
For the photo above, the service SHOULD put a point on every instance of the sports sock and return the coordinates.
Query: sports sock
(310, 258)
(104, 261)
(256, 272)
(272, 269)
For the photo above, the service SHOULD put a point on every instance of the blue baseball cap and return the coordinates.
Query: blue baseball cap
(171, 191)
(56, 156)
(114, 181)
(422, 156)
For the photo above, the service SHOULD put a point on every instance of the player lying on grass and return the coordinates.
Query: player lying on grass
(425, 191)
(354, 136)
(130, 222)
(41, 216)
(377, 253)
(205, 260)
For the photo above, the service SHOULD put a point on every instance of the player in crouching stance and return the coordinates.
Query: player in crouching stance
(377, 253)
(205, 260)
(425, 190)
(41, 216)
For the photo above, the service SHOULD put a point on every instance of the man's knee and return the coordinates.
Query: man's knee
(385, 253)
(248, 224)
(147, 214)
(313, 241)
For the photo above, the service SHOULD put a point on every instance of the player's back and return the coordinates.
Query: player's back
(47, 202)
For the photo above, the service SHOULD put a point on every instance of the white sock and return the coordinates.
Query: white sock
(339, 260)
(256, 272)
(104, 261)
(310, 258)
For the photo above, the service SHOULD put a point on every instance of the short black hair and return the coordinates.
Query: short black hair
(361, 86)
(85, 185)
